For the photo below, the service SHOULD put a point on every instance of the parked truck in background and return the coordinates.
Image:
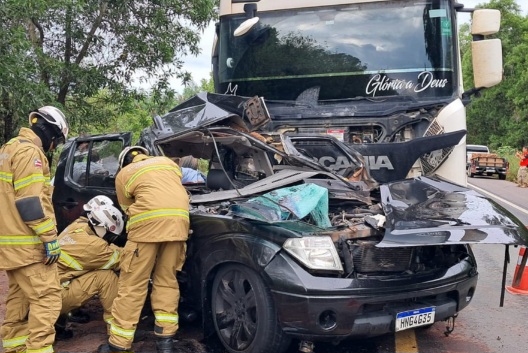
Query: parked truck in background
(470, 149)
(487, 164)
(383, 76)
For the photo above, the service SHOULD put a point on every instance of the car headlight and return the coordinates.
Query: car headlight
(316, 253)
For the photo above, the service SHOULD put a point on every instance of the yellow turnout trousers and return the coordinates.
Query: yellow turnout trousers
(79, 290)
(32, 307)
(138, 262)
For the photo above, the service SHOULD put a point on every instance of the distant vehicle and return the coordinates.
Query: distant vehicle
(470, 149)
(485, 163)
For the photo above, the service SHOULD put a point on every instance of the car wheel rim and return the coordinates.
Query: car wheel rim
(236, 310)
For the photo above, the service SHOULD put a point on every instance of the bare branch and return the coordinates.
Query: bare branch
(102, 12)
(36, 35)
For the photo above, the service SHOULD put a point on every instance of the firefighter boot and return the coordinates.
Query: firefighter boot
(61, 330)
(108, 348)
(78, 316)
(165, 345)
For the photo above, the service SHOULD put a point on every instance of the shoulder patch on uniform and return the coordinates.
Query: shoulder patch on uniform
(38, 163)
(67, 240)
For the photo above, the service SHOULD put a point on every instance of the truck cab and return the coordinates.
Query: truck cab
(373, 74)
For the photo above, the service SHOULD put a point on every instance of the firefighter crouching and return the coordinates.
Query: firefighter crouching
(29, 248)
(149, 190)
(87, 261)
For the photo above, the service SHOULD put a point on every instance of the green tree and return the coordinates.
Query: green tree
(19, 84)
(62, 52)
(500, 116)
(192, 88)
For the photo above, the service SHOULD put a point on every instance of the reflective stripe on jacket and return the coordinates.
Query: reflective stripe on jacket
(150, 191)
(82, 251)
(24, 175)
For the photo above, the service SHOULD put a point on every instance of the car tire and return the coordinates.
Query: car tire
(243, 312)
(502, 177)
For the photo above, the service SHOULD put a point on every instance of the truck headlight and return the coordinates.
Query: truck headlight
(316, 253)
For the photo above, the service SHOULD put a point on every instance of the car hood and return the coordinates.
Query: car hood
(417, 212)
(428, 211)
(206, 109)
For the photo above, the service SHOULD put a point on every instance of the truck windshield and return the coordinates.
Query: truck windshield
(395, 48)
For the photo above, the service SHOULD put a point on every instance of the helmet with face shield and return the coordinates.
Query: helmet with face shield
(104, 216)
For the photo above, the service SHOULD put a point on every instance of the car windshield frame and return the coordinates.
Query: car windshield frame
(334, 48)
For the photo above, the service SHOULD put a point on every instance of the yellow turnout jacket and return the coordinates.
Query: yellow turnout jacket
(83, 251)
(24, 178)
(150, 191)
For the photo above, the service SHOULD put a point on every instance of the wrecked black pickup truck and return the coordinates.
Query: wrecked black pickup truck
(285, 248)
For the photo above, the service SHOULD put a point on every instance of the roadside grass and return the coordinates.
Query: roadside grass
(508, 152)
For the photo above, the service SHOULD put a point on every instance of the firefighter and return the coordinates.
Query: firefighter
(87, 260)
(150, 192)
(29, 248)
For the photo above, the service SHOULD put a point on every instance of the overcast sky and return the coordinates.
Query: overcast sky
(200, 66)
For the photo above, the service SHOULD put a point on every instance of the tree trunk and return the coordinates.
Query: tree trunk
(7, 119)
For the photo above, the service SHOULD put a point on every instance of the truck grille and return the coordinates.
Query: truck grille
(431, 161)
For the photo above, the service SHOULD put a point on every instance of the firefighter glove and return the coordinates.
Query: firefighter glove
(52, 252)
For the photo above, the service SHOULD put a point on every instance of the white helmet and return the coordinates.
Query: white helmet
(53, 116)
(98, 201)
(104, 216)
(123, 153)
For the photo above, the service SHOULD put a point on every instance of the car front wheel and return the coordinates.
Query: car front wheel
(244, 313)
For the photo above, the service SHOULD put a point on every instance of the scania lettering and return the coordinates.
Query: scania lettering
(382, 76)
(342, 163)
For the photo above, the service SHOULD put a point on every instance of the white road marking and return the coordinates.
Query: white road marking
(523, 210)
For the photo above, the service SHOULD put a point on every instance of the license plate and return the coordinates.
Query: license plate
(414, 318)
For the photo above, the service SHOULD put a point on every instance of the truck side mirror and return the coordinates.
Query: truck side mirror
(486, 53)
(245, 26)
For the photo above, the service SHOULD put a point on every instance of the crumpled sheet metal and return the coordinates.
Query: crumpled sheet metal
(282, 204)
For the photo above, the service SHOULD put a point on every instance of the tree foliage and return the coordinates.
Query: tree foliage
(500, 116)
(64, 52)
(193, 88)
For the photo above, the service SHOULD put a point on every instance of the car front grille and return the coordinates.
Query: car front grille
(370, 259)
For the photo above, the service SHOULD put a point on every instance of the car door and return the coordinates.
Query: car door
(87, 167)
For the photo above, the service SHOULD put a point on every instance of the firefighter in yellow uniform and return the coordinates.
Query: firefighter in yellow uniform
(87, 261)
(149, 190)
(29, 248)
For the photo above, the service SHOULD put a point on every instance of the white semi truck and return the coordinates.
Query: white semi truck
(384, 76)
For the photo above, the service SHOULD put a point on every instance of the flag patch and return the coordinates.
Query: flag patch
(38, 163)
